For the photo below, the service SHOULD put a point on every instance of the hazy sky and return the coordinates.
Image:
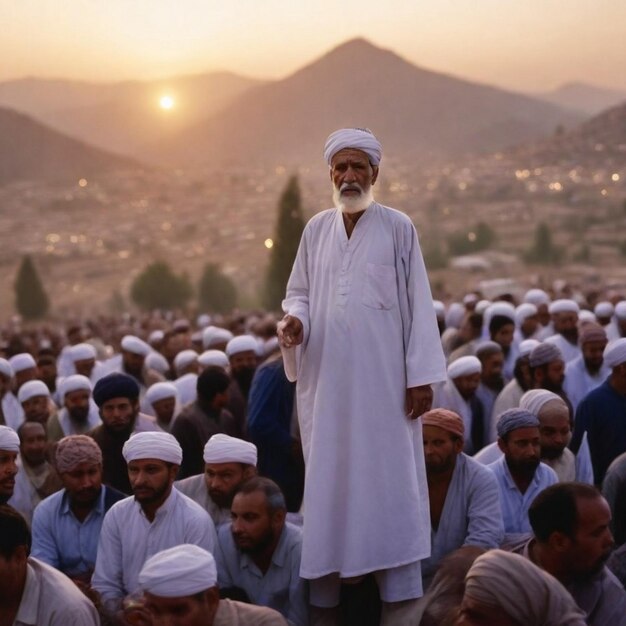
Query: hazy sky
(519, 44)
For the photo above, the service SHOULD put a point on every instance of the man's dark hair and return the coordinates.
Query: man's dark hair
(14, 531)
(555, 509)
(26, 424)
(273, 495)
(211, 381)
(498, 322)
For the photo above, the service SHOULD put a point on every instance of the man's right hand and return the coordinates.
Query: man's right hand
(290, 331)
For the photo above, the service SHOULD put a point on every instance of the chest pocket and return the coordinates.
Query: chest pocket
(379, 290)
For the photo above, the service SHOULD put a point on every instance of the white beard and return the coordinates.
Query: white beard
(353, 204)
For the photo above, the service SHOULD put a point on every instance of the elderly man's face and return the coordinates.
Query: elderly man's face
(352, 174)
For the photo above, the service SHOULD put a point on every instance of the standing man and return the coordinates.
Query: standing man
(359, 309)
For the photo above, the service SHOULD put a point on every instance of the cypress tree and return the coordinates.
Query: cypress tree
(157, 287)
(216, 291)
(31, 300)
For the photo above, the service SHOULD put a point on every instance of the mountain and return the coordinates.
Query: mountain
(587, 99)
(30, 151)
(416, 112)
(121, 117)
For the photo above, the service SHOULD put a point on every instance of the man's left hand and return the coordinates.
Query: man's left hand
(418, 400)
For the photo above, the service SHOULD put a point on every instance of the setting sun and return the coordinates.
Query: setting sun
(166, 102)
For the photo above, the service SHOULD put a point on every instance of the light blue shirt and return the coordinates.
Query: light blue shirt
(281, 587)
(514, 503)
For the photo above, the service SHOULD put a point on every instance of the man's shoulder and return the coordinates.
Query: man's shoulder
(546, 474)
(474, 470)
(50, 505)
(189, 508)
(122, 509)
(189, 484)
(232, 613)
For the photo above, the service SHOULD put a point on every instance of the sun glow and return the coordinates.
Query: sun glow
(166, 102)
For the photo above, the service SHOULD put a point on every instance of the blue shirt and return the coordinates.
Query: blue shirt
(63, 542)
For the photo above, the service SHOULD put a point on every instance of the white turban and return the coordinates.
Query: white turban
(470, 298)
(5, 368)
(505, 309)
(213, 335)
(32, 389)
(213, 357)
(527, 346)
(440, 309)
(524, 311)
(604, 309)
(73, 383)
(586, 316)
(155, 336)
(615, 353)
(464, 366)
(153, 445)
(620, 310)
(535, 399)
(203, 320)
(156, 361)
(21, 362)
(160, 391)
(241, 343)
(224, 449)
(564, 306)
(183, 570)
(82, 352)
(537, 297)
(356, 138)
(454, 315)
(9, 440)
(482, 306)
(133, 344)
(184, 359)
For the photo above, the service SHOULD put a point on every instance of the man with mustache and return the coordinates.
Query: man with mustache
(361, 337)
(9, 449)
(565, 321)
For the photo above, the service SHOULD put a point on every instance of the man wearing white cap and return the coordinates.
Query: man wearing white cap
(526, 323)
(180, 589)
(79, 413)
(565, 320)
(215, 338)
(359, 308)
(34, 396)
(602, 413)
(617, 328)
(83, 358)
(604, 312)
(540, 299)
(24, 369)
(9, 449)
(213, 357)
(229, 461)
(242, 356)
(186, 367)
(155, 518)
(11, 412)
(133, 363)
(458, 394)
(163, 402)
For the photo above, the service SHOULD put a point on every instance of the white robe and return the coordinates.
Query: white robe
(12, 410)
(447, 396)
(579, 382)
(370, 332)
(569, 350)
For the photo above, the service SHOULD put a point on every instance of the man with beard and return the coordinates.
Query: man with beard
(463, 494)
(9, 449)
(202, 419)
(491, 358)
(242, 357)
(547, 370)
(36, 478)
(260, 551)
(36, 403)
(66, 525)
(117, 397)
(157, 517)
(163, 402)
(588, 371)
(83, 356)
(572, 541)
(565, 321)
(519, 472)
(79, 413)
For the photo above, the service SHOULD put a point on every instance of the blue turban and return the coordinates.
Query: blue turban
(115, 386)
(514, 419)
(355, 138)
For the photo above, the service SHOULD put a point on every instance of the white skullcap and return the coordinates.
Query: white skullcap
(537, 297)
(203, 320)
(160, 391)
(470, 298)
(464, 366)
(153, 445)
(225, 449)
(506, 309)
(482, 306)
(440, 309)
(615, 353)
(620, 310)
(184, 359)
(356, 138)
(586, 316)
(563, 306)
(82, 352)
(21, 362)
(31, 389)
(5, 368)
(181, 324)
(523, 312)
(9, 440)
(535, 399)
(133, 344)
(74, 383)
(604, 309)
(527, 346)
(455, 314)
(214, 335)
(213, 357)
(183, 570)
(241, 343)
(156, 361)
(155, 336)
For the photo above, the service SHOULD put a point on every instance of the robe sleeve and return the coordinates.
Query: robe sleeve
(485, 527)
(108, 577)
(296, 302)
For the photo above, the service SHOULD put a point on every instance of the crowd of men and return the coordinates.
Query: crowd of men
(152, 469)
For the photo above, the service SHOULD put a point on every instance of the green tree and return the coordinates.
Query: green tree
(543, 251)
(31, 300)
(216, 291)
(286, 240)
(481, 237)
(157, 287)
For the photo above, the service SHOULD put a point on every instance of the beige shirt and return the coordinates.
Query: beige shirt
(231, 613)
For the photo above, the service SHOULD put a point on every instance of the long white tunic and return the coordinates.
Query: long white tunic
(369, 333)
(569, 350)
